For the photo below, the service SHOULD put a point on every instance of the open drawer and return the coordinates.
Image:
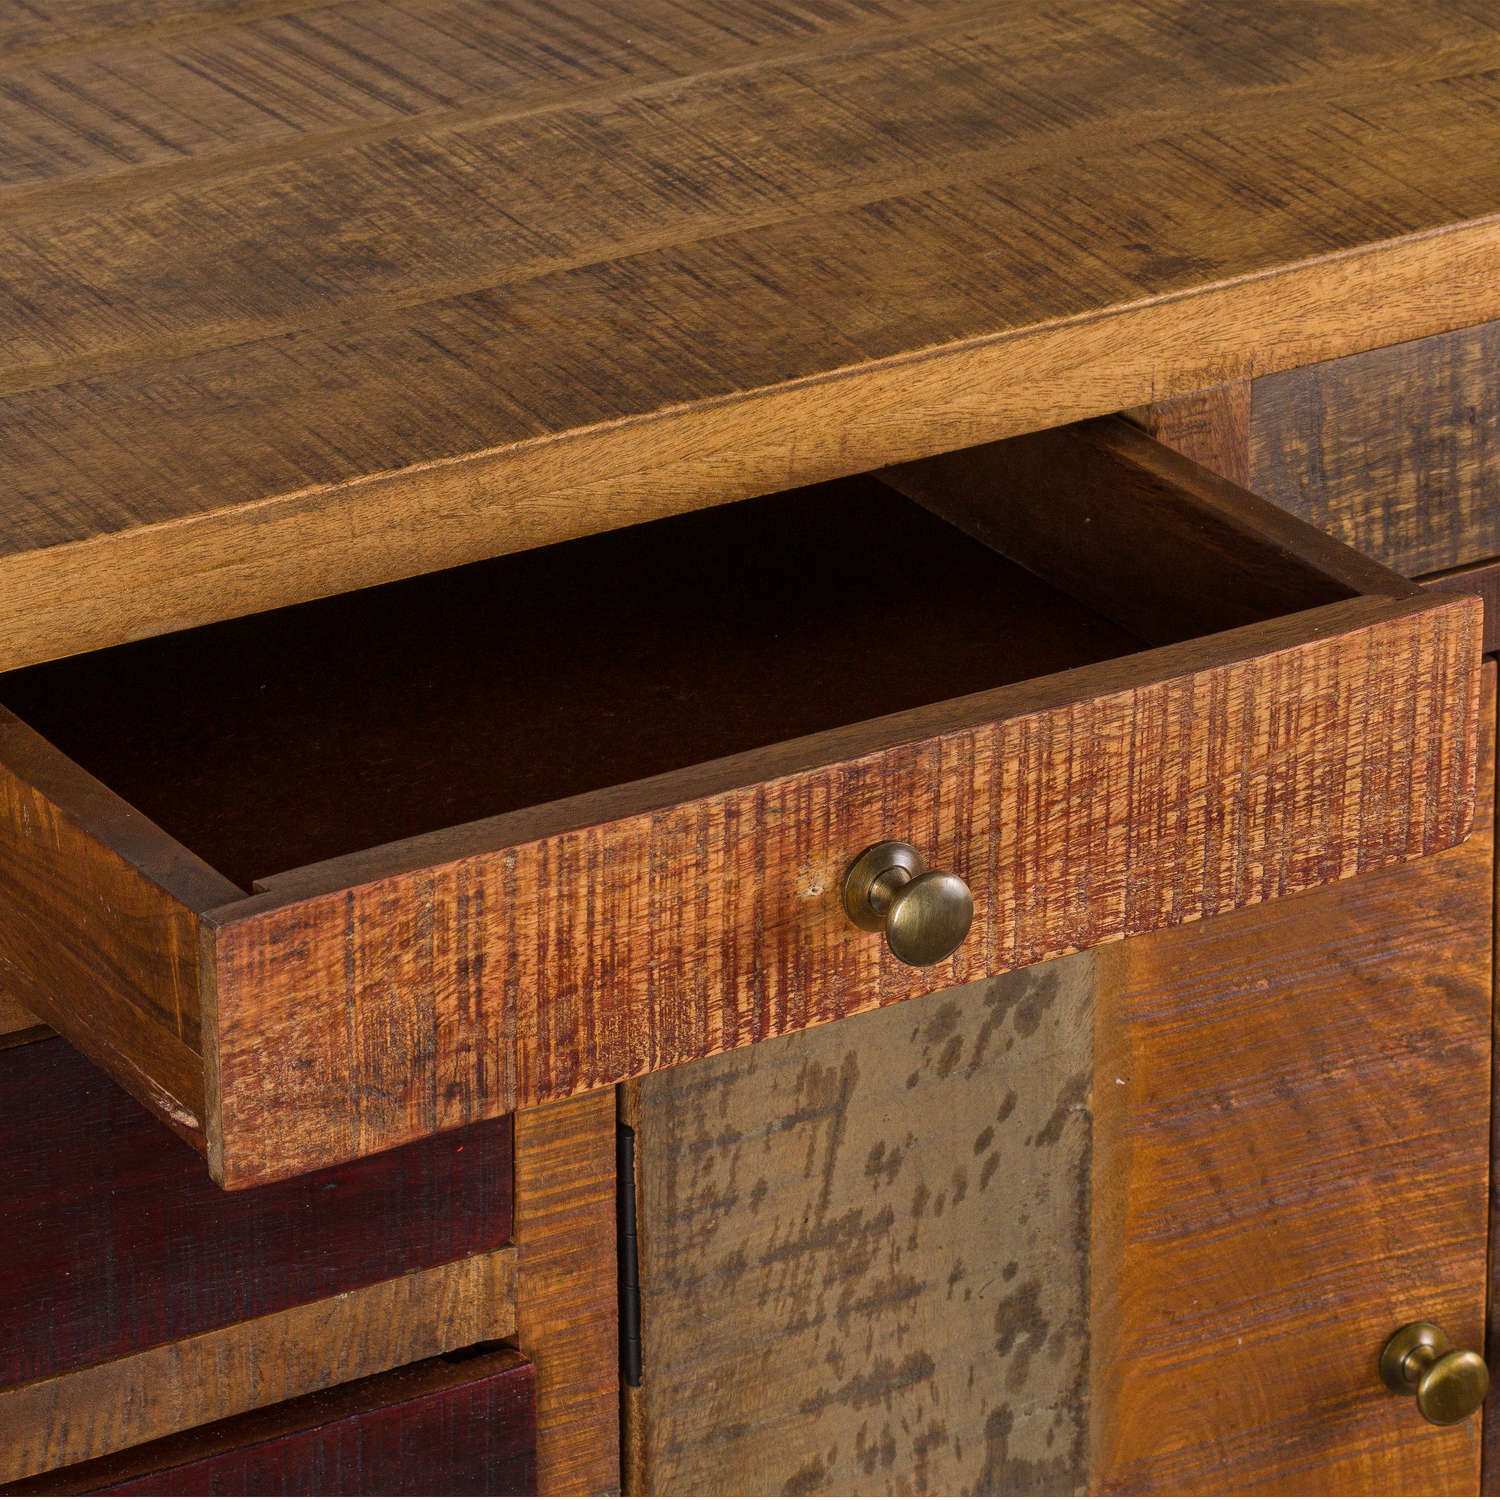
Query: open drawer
(319, 882)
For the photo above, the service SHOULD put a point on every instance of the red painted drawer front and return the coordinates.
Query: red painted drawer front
(117, 1240)
(437, 1428)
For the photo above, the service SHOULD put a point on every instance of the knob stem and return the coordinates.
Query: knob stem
(883, 888)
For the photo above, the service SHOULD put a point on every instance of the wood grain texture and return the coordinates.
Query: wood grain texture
(436, 1428)
(1210, 427)
(865, 1253)
(303, 299)
(520, 961)
(98, 911)
(1394, 451)
(16, 1020)
(124, 1243)
(1291, 1127)
(567, 1317)
(103, 1408)
(1213, 429)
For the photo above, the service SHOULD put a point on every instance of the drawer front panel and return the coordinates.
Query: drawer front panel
(123, 1243)
(436, 1428)
(1131, 695)
(534, 970)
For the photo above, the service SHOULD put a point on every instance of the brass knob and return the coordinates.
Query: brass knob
(925, 914)
(1449, 1384)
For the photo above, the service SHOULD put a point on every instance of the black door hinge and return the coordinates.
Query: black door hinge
(628, 1257)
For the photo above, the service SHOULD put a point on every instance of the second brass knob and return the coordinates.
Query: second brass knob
(925, 914)
(1449, 1384)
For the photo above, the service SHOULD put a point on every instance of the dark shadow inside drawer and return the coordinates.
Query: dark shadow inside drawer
(315, 731)
(288, 738)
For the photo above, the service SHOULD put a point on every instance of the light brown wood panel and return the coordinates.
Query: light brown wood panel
(1345, 754)
(362, 321)
(567, 1316)
(1395, 451)
(1210, 427)
(73, 852)
(68, 1418)
(1291, 1111)
(97, 108)
(864, 1253)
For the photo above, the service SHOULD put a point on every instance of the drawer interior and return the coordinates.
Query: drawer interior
(288, 738)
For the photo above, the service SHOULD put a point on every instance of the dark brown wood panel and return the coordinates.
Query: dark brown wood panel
(1342, 753)
(1482, 579)
(1213, 429)
(300, 300)
(443, 1427)
(1396, 451)
(1147, 537)
(1210, 427)
(567, 1312)
(864, 1253)
(1291, 1126)
(119, 1241)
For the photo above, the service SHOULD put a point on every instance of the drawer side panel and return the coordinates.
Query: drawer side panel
(99, 926)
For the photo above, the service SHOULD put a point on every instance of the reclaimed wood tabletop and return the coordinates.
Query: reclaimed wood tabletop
(301, 297)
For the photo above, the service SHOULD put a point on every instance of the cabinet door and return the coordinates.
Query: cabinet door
(1137, 1221)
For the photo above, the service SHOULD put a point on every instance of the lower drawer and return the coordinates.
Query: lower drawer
(453, 1426)
(119, 1242)
(315, 884)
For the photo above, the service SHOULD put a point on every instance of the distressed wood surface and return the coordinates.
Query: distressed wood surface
(302, 299)
(1291, 1128)
(1210, 427)
(645, 938)
(864, 1253)
(435, 1428)
(566, 1309)
(123, 1242)
(103, 1408)
(98, 926)
(1396, 451)
(1482, 579)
